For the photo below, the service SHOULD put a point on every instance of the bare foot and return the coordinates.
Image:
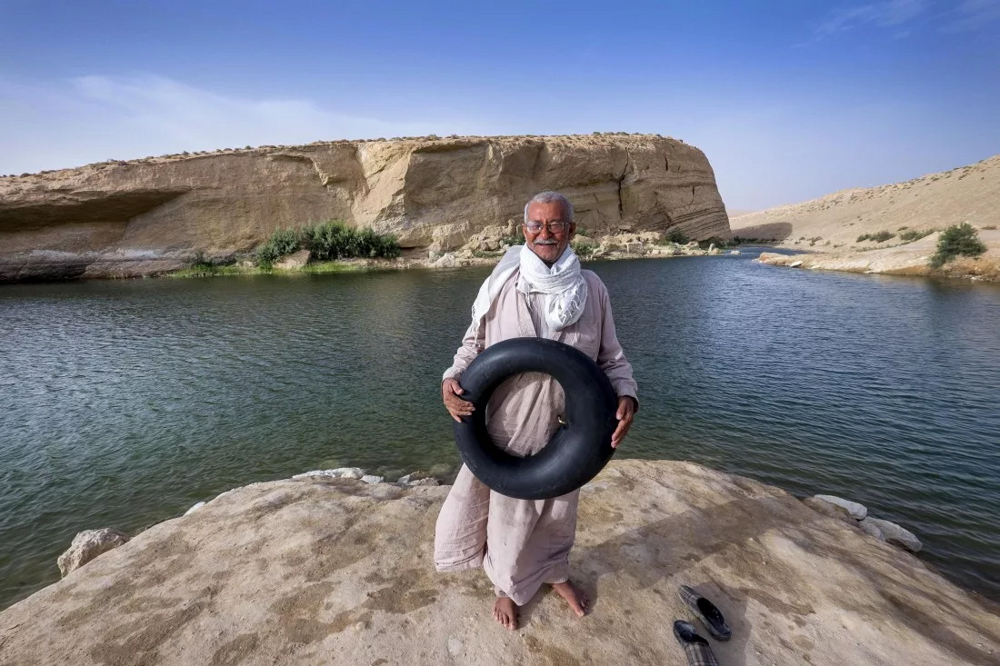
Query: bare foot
(505, 612)
(576, 599)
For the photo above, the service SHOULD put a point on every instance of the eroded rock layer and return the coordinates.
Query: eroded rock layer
(146, 216)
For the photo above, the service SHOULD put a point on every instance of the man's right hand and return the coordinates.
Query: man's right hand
(450, 390)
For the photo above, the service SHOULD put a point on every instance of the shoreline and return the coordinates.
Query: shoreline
(308, 568)
(180, 265)
(436, 476)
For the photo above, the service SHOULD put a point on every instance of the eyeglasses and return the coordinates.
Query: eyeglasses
(555, 226)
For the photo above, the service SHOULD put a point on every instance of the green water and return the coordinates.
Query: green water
(123, 403)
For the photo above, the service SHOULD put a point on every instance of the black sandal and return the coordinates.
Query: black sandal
(696, 648)
(706, 611)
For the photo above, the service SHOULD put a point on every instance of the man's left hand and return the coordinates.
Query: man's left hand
(625, 414)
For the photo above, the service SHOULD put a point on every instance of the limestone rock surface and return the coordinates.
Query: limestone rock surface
(828, 508)
(869, 527)
(151, 215)
(294, 260)
(87, 545)
(326, 570)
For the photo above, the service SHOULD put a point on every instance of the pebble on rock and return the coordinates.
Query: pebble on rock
(828, 509)
(87, 545)
(871, 529)
(194, 508)
(339, 473)
(898, 536)
(857, 511)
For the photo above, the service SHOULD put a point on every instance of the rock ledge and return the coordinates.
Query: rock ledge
(324, 570)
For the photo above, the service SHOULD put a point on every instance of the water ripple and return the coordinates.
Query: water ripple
(123, 403)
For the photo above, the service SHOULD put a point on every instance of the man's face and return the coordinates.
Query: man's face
(547, 243)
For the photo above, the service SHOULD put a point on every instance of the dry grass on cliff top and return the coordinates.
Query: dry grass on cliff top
(451, 139)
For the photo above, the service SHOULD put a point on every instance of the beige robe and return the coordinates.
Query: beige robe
(522, 544)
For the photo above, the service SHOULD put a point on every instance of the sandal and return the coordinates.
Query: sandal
(707, 612)
(696, 648)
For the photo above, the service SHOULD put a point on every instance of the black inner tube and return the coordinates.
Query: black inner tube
(578, 450)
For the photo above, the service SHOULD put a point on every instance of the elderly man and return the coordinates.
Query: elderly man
(537, 290)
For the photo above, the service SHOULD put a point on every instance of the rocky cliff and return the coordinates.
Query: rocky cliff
(145, 216)
(322, 571)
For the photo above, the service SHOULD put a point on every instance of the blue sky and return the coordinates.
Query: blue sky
(789, 99)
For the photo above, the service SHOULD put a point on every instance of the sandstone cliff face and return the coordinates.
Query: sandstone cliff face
(336, 571)
(145, 216)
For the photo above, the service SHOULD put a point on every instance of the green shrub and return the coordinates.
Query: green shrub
(327, 242)
(324, 241)
(516, 239)
(878, 236)
(282, 242)
(914, 235)
(739, 240)
(333, 240)
(583, 250)
(959, 240)
(678, 237)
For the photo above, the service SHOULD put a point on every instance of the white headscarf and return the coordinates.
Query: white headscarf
(563, 285)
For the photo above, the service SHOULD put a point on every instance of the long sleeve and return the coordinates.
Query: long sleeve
(472, 344)
(611, 359)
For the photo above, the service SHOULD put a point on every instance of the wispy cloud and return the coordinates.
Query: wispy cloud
(892, 13)
(93, 118)
(973, 15)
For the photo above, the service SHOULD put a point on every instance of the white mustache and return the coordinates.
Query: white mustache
(544, 242)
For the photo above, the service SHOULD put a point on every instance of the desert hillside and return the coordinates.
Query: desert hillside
(967, 194)
(126, 218)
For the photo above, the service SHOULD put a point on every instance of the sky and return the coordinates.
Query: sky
(789, 99)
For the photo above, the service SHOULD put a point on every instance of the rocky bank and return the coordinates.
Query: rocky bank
(835, 231)
(140, 217)
(908, 259)
(317, 570)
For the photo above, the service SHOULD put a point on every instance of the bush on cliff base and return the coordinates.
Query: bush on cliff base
(281, 243)
(960, 239)
(333, 240)
(326, 242)
(878, 236)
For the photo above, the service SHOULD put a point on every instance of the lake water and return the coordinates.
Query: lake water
(122, 403)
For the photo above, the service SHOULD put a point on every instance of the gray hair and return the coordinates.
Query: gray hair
(551, 197)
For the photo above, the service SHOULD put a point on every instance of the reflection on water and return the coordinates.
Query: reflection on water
(124, 403)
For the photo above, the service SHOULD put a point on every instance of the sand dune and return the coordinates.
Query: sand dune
(834, 222)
